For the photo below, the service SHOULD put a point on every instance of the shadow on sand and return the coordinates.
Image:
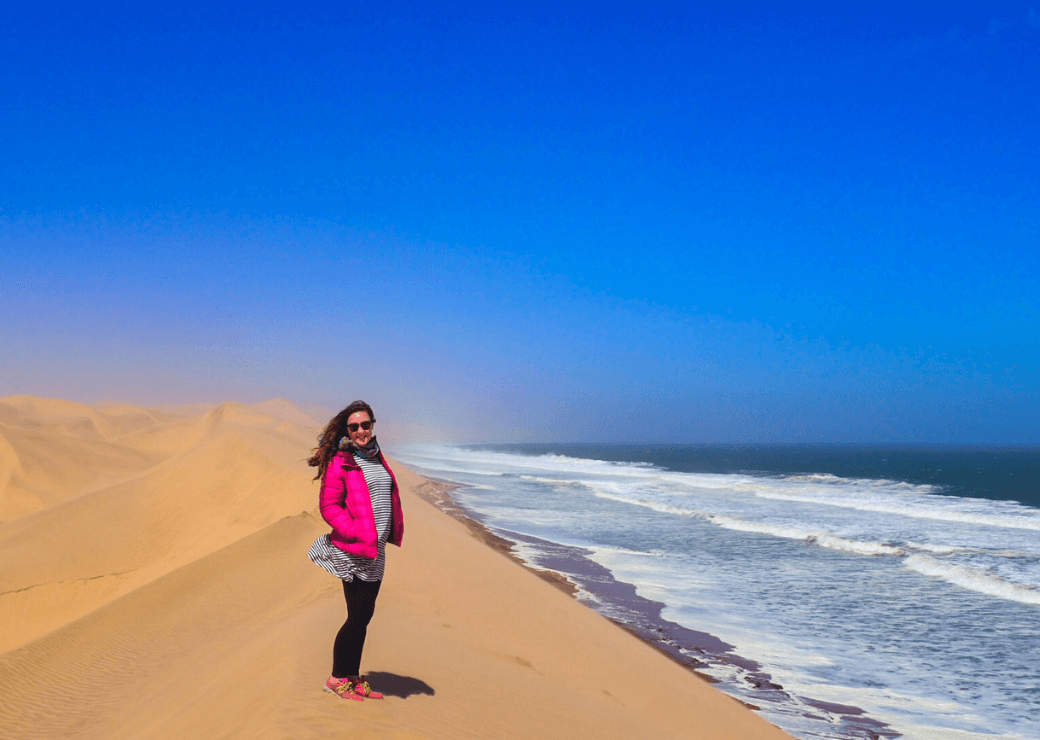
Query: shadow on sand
(400, 686)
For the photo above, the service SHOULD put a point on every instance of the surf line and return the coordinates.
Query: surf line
(571, 571)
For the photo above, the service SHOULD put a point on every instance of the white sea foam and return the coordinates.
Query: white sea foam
(814, 478)
(480, 486)
(654, 505)
(937, 549)
(973, 579)
(812, 537)
(566, 483)
(930, 732)
(966, 511)
(627, 551)
(818, 537)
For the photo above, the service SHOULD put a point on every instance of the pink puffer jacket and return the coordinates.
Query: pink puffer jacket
(347, 506)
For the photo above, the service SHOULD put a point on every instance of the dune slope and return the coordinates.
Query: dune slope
(219, 478)
(225, 629)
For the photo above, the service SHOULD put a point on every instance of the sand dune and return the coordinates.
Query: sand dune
(218, 479)
(71, 418)
(287, 411)
(178, 602)
(54, 450)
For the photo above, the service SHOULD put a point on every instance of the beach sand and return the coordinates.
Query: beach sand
(155, 584)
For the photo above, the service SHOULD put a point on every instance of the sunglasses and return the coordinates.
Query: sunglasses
(366, 425)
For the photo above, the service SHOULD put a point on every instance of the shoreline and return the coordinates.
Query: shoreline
(436, 492)
(641, 618)
(180, 639)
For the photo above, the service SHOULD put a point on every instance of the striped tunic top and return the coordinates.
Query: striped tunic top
(345, 565)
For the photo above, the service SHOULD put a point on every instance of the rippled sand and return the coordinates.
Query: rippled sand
(155, 584)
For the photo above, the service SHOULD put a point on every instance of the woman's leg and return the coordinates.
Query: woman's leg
(350, 641)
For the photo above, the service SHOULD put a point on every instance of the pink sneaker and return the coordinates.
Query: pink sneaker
(362, 689)
(343, 688)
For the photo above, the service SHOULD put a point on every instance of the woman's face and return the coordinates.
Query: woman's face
(356, 424)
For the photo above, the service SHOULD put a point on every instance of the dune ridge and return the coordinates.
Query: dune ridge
(165, 592)
(147, 493)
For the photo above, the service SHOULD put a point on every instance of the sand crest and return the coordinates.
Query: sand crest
(169, 595)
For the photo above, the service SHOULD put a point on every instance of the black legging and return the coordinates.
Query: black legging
(350, 641)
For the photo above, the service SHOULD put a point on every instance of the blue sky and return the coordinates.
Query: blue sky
(632, 222)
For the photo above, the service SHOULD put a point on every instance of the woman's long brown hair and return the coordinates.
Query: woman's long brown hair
(334, 431)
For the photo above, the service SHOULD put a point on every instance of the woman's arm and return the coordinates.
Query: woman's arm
(332, 501)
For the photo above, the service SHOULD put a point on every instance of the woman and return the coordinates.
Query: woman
(360, 501)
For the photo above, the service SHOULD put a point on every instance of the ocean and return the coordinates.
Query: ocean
(844, 592)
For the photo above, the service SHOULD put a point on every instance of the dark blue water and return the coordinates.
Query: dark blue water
(998, 473)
